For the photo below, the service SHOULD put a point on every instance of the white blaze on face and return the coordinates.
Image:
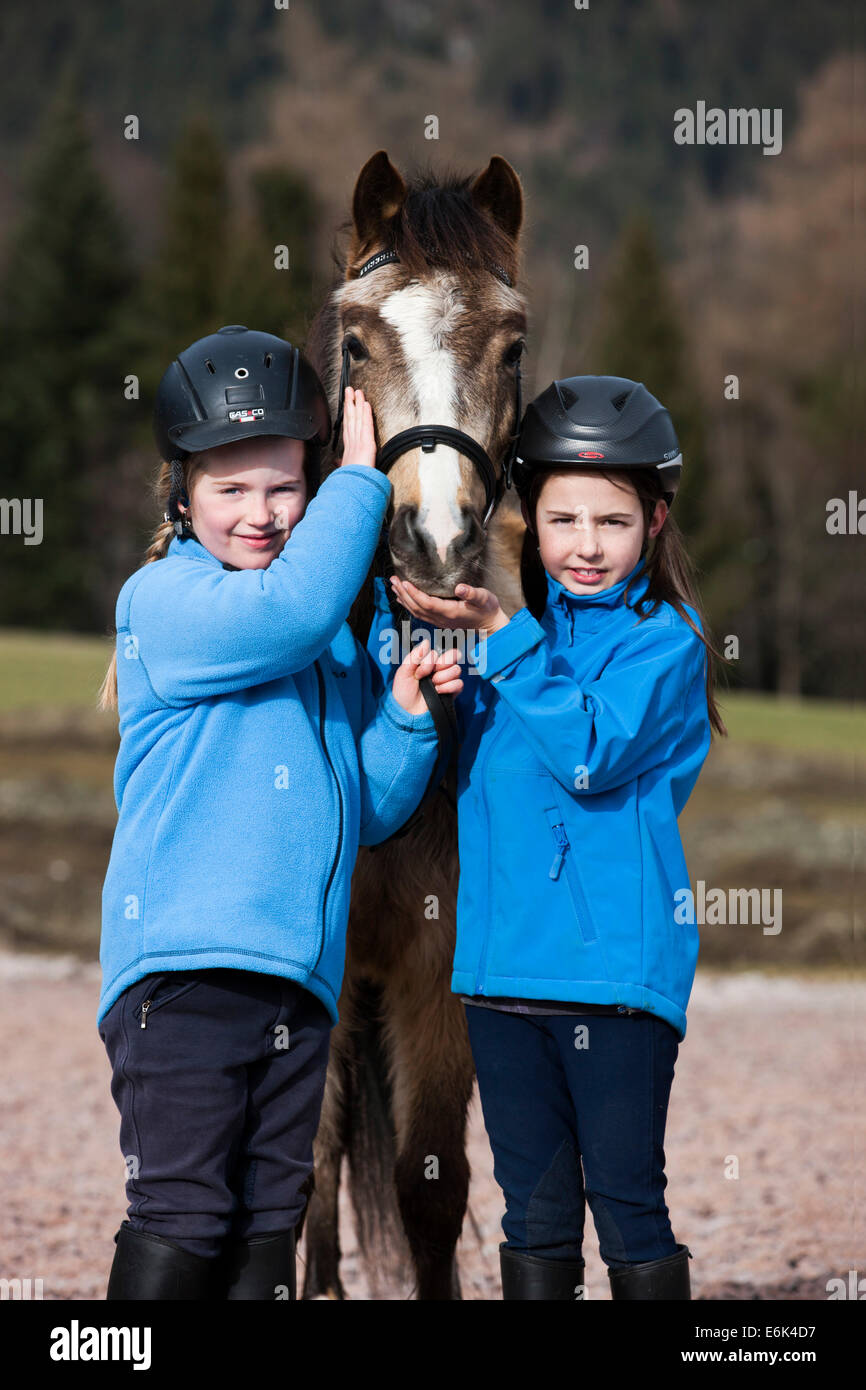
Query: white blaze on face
(423, 316)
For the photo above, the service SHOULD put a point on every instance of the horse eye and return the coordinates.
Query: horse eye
(514, 353)
(357, 351)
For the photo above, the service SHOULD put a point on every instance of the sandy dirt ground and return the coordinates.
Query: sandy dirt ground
(771, 1077)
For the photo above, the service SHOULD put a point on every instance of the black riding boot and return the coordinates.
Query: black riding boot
(148, 1267)
(666, 1278)
(525, 1275)
(262, 1267)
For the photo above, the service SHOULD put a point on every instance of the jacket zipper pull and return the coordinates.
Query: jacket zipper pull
(144, 1008)
(562, 841)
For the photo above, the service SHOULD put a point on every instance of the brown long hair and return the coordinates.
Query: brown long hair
(668, 566)
(163, 536)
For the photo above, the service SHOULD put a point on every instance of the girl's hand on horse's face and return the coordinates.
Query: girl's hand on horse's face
(423, 660)
(473, 607)
(359, 440)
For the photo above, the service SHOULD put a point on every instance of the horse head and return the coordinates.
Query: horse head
(426, 320)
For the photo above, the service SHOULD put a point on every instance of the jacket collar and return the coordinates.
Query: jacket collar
(604, 598)
(586, 612)
(191, 549)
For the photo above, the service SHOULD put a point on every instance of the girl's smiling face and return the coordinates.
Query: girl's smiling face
(590, 530)
(245, 497)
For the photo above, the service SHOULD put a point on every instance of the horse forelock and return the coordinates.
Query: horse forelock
(441, 224)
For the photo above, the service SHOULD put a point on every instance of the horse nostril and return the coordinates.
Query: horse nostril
(404, 535)
(471, 537)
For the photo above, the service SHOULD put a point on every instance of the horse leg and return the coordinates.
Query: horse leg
(432, 1079)
(321, 1216)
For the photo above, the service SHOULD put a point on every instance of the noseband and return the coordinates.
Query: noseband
(428, 436)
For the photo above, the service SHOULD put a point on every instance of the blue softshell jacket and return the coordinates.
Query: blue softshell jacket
(582, 736)
(260, 745)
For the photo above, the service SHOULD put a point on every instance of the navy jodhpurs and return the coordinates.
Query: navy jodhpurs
(219, 1097)
(578, 1116)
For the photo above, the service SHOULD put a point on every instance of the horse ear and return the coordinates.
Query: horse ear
(379, 195)
(497, 191)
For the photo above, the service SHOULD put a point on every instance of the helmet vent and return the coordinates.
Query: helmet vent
(268, 359)
(241, 373)
(619, 401)
(210, 366)
(568, 397)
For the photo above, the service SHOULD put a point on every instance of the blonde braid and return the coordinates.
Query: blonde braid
(161, 539)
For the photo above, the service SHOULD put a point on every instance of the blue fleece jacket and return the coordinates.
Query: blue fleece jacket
(259, 746)
(571, 783)
(582, 736)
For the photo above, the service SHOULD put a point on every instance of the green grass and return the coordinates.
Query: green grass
(795, 726)
(62, 671)
(50, 669)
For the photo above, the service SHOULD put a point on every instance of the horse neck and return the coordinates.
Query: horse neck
(361, 612)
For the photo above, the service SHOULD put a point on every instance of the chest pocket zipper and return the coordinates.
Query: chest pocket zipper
(563, 844)
(565, 855)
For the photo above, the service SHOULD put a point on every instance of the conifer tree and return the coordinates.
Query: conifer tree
(270, 285)
(64, 280)
(638, 335)
(182, 291)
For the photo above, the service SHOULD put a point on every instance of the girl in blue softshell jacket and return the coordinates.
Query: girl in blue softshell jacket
(259, 747)
(583, 729)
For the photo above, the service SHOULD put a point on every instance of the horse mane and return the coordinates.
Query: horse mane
(438, 225)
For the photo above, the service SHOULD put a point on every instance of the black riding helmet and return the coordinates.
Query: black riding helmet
(232, 384)
(596, 422)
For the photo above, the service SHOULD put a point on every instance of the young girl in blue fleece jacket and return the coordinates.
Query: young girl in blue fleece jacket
(582, 738)
(259, 747)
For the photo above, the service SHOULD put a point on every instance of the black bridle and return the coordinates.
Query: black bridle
(444, 774)
(428, 436)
